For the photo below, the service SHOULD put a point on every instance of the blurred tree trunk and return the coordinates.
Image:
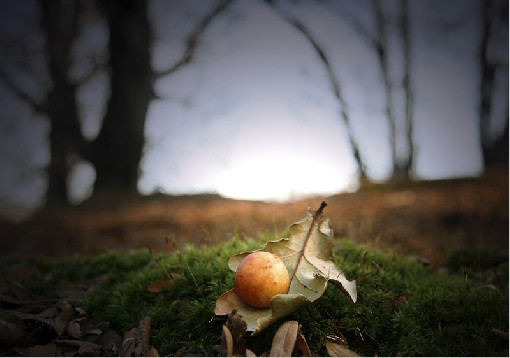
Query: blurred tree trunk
(401, 165)
(494, 20)
(380, 42)
(496, 153)
(60, 19)
(117, 151)
(403, 168)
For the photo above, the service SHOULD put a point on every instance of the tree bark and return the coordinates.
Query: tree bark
(117, 151)
(60, 20)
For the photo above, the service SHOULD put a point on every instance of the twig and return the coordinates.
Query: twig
(192, 40)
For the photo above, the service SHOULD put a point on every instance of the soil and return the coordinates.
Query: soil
(429, 219)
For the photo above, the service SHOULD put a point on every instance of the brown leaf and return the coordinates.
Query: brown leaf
(151, 352)
(74, 328)
(48, 350)
(84, 348)
(142, 336)
(160, 285)
(64, 314)
(302, 345)
(339, 350)
(227, 342)
(12, 329)
(500, 334)
(284, 340)
(129, 343)
(46, 323)
(136, 340)
(227, 303)
(237, 327)
(111, 342)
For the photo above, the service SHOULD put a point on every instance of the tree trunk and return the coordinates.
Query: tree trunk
(402, 169)
(381, 48)
(117, 151)
(60, 22)
(494, 19)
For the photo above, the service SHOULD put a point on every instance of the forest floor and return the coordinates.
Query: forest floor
(460, 310)
(429, 219)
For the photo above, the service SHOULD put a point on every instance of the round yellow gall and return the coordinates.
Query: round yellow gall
(259, 277)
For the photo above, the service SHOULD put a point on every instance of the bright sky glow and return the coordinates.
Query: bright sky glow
(254, 117)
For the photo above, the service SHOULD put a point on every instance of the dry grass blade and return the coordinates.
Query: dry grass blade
(284, 340)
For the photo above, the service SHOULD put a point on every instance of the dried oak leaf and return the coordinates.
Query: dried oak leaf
(339, 350)
(307, 253)
(284, 340)
(160, 285)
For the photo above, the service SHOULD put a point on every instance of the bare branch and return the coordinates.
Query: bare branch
(193, 37)
(357, 26)
(335, 84)
(37, 106)
(97, 65)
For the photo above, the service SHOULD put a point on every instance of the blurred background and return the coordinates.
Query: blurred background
(248, 99)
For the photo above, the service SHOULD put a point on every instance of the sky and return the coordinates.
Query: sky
(253, 116)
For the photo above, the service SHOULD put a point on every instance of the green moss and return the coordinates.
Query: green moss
(403, 308)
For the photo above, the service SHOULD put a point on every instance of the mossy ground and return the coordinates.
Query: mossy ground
(403, 307)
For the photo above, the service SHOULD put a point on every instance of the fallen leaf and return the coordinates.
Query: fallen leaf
(302, 345)
(227, 342)
(142, 336)
(151, 352)
(499, 333)
(84, 348)
(129, 343)
(136, 340)
(256, 318)
(74, 329)
(64, 314)
(48, 350)
(307, 254)
(284, 340)
(339, 350)
(111, 342)
(160, 285)
(237, 327)
(12, 330)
